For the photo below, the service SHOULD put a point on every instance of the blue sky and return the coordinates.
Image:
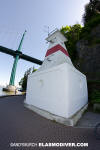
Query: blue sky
(32, 15)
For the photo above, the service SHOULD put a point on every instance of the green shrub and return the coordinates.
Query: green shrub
(72, 33)
(97, 41)
(89, 26)
(23, 81)
(91, 9)
(95, 97)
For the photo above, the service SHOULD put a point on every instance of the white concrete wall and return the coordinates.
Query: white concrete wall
(55, 59)
(57, 87)
(56, 38)
(58, 57)
(60, 90)
(78, 94)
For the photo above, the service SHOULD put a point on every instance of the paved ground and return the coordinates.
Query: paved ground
(18, 124)
(89, 119)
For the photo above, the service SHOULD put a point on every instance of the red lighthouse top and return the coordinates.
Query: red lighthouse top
(56, 42)
(56, 53)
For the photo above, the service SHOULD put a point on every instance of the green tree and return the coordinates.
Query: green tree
(91, 10)
(23, 81)
(72, 33)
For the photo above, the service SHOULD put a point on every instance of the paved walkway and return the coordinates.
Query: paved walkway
(18, 124)
(89, 120)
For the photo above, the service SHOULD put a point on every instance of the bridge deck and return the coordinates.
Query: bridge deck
(18, 124)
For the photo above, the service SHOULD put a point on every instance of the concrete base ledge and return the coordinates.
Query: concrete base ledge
(66, 121)
(9, 88)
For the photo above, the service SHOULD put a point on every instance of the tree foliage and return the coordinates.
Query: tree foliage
(91, 10)
(91, 19)
(23, 81)
(72, 33)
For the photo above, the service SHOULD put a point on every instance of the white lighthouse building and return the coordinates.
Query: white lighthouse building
(57, 91)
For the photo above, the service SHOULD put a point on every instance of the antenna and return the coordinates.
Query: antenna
(47, 29)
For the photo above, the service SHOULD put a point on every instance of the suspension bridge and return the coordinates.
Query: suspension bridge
(17, 54)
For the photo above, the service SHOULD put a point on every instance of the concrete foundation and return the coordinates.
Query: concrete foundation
(66, 121)
(10, 88)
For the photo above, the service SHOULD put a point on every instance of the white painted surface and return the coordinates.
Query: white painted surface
(57, 87)
(58, 57)
(56, 38)
(66, 121)
(60, 90)
(55, 59)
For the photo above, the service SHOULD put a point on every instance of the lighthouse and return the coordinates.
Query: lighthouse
(57, 91)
